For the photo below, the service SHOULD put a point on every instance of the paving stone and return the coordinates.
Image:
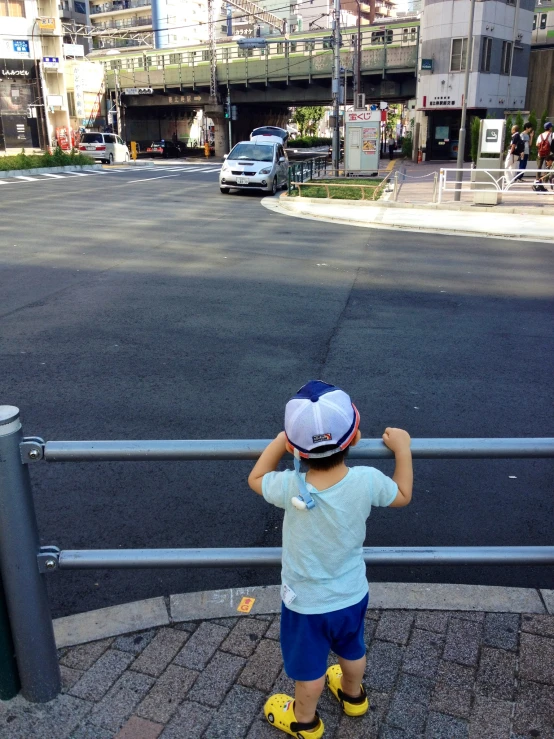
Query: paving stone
(283, 684)
(391, 732)
(436, 621)
(422, 655)
(535, 624)
(16, 722)
(216, 679)
(228, 622)
(410, 704)
(89, 731)
(139, 728)
(477, 616)
(85, 655)
(261, 729)
(134, 643)
(168, 692)
(274, 631)
(201, 646)
(373, 614)
(96, 681)
(462, 641)
(534, 710)
(383, 664)
(395, 626)
(264, 616)
(496, 674)
(263, 668)
(121, 700)
(160, 652)
(368, 725)
(238, 710)
(501, 630)
(369, 632)
(490, 719)
(189, 722)
(189, 626)
(69, 677)
(536, 658)
(244, 637)
(441, 726)
(54, 720)
(453, 690)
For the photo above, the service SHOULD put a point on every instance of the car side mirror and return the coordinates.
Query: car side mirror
(225, 156)
(281, 159)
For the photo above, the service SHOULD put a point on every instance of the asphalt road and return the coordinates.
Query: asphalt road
(138, 307)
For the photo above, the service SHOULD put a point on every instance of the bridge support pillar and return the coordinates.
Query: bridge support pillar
(221, 128)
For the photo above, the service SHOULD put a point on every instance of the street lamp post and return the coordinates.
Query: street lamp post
(462, 136)
(336, 87)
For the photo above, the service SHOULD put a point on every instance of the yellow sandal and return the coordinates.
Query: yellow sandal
(351, 706)
(279, 711)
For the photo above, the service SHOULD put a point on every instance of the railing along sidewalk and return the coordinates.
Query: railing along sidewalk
(24, 563)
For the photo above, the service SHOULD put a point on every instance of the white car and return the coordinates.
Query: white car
(107, 147)
(258, 164)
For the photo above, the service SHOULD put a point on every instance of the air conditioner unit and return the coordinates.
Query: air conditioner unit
(360, 101)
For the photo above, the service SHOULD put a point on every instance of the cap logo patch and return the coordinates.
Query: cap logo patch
(322, 437)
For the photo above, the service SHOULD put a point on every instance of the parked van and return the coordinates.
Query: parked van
(107, 147)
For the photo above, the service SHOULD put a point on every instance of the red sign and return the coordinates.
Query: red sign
(362, 115)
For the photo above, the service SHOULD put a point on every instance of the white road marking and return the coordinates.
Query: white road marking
(56, 176)
(3, 182)
(217, 169)
(94, 171)
(30, 179)
(78, 174)
(148, 179)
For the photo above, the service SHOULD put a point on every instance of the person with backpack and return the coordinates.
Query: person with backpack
(516, 148)
(547, 177)
(544, 145)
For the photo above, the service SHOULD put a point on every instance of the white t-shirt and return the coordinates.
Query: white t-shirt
(323, 560)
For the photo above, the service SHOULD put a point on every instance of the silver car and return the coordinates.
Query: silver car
(258, 164)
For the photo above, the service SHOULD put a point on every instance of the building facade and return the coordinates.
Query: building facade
(498, 59)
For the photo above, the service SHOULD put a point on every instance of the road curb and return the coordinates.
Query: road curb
(47, 170)
(209, 604)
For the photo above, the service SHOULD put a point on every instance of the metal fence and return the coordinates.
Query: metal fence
(306, 170)
(24, 563)
(501, 181)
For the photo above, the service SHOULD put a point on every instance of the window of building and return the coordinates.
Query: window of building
(486, 54)
(12, 8)
(510, 2)
(80, 7)
(205, 55)
(506, 63)
(543, 21)
(280, 47)
(245, 52)
(292, 47)
(175, 59)
(326, 43)
(310, 45)
(458, 55)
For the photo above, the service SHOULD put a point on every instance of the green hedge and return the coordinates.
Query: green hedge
(307, 142)
(33, 161)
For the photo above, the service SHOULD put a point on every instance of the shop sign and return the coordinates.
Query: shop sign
(50, 62)
(73, 50)
(427, 64)
(138, 91)
(20, 46)
(46, 24)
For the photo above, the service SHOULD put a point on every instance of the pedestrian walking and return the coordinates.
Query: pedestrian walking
(527, 138)
(391, 145)
(547, 177)
(544, 144)
(511, 165)
(324, 588)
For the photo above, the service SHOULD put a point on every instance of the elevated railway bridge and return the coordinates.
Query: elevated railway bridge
(262, 83)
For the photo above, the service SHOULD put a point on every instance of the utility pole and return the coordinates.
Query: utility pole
(358, 63)
(336, 86)
(462, 136)
(213, 55)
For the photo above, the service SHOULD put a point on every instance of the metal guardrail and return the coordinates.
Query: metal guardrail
(499, 180)
(24, 563)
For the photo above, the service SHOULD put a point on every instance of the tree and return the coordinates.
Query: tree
(307, 118)
(475, 128)
(533, 121)
(519, 121)
(508, 135)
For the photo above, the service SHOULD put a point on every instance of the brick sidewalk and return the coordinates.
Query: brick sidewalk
(432, 674)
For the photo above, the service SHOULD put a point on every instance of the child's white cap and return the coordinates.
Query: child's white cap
(320, 415)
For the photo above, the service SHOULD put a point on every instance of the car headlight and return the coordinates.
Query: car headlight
(267, 170)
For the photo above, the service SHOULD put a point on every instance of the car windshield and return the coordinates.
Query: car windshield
(269, 131)
(92, 138)
(255, 152)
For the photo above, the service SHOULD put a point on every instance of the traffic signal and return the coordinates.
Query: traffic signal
(227, 109)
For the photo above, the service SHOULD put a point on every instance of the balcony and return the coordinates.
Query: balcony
(118, 5)
(123, 23)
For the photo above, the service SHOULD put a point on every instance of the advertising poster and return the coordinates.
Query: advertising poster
(370, 135)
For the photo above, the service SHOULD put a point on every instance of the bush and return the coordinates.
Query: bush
(33, 161)
(475, 128)
(407, 144)
(306, 142)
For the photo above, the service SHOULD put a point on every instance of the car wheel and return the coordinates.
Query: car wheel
(274, 186)
(224, 190)
(110, 159)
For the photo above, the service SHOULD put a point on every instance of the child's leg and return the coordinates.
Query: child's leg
(352, 675)
(306, 696)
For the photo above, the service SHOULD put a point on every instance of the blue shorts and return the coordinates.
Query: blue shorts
(307, 639)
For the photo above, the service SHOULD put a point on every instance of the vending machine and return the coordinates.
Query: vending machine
(362, 141)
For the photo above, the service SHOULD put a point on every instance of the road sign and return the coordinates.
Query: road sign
(138, 91)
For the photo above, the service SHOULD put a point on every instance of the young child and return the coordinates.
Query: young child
(324, 587)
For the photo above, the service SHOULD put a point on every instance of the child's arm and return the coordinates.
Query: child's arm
(398, 441)
(268, 461)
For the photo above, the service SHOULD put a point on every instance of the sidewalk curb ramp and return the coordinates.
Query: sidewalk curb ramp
(209, 604)
(510, 223)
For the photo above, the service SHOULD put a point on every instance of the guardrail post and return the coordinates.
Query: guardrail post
(24, 586)
(442, 184)
(435, 188)
(395, 193)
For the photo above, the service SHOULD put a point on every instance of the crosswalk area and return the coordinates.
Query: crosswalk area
(142, 172)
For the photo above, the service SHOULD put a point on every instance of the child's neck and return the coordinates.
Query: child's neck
(323, 479)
